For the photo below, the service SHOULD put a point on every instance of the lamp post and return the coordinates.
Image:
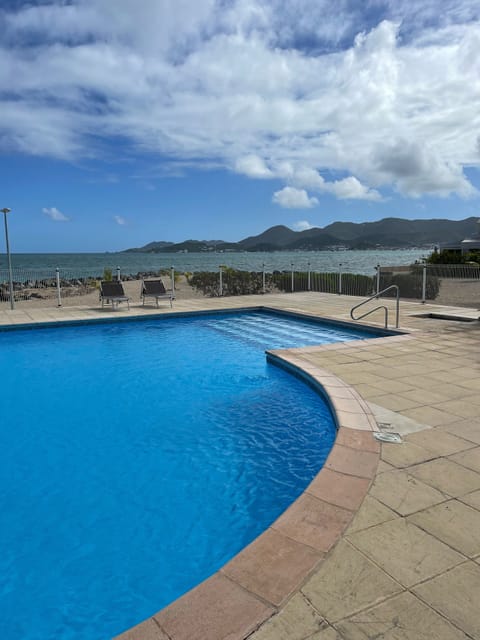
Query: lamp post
(6, 210)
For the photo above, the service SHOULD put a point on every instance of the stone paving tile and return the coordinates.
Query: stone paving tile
(272, 566)
(358, 377)
(447, 476)
(423, 396)
(447, 390)
(354, 420)
(471, 383)
(403, 493)
(393, 421)
(347, 405)
(372, 397)
(148, 630)
(466, 429)
(357, 439)
(391, 386)
(472, 499)
(474, 399)
(408, 371)
(371, 513)
(429, 415)
(338, 488)
(313, 522)
(395, 402)
(327, 634)
(342, 358)
(403, 617)
(460, 408)
(357, 463)
(297, 620)
(339, 392)
(347, 582)
(404, 551)
(384, 370)
(457, 375)
(455, 594)
(469, 459)
(454, 523)
(200, 614)
(439, 442)
(405, 454)
(384, 466)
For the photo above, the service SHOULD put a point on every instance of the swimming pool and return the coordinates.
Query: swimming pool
(136, 458)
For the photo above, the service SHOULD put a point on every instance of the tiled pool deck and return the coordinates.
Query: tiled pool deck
(385, 542)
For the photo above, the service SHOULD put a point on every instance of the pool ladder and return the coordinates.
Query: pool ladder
(382, 306)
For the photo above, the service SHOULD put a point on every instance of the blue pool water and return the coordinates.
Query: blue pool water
(136, 458)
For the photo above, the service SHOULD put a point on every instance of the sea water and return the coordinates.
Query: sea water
(93, 264)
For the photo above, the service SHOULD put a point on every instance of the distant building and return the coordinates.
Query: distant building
(465, 246)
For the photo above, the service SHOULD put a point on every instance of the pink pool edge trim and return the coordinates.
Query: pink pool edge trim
(259, 580)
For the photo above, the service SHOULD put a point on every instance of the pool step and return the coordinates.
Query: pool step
(275, 334)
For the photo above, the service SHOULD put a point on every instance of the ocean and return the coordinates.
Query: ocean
(93, 264)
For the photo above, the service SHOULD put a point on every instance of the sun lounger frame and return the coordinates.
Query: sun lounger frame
(113, 293)
(156, 289)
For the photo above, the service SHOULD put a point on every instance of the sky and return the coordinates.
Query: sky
(129, 121)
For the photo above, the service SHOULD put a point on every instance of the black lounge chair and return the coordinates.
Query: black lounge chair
(113, 292)
(156, 289)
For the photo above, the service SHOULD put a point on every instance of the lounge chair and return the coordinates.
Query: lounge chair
(113, 292)
(156, 289)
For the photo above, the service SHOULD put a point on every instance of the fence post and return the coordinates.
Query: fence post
(221, 281)
(340, 278)
(424, 284)
(293, 279)
(172, 277)
(263, 278)
(118, 274)
(59, 290)
(378, 278)
(308, 277)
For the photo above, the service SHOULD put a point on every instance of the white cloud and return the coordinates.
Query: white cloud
(54, 214)
(352, 189)
(302, 225)
(291, 198)
(416, 170)
(253, 166)
(318, 94)
(120, 220)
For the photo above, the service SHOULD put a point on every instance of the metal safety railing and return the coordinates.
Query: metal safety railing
(57, 284)
(454, 285)
(376, 296)
(44, 284)
(228, 282)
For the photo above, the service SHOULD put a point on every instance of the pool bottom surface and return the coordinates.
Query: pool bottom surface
(137, 458)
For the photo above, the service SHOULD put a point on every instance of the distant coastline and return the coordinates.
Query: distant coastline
(382, 235)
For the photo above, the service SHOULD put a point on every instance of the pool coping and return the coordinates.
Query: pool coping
(255, 584)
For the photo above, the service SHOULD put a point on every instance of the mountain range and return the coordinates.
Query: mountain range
(389, 233)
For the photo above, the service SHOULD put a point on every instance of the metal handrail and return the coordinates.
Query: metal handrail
(376, 296)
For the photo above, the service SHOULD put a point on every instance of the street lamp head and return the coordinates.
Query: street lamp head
(5, 210)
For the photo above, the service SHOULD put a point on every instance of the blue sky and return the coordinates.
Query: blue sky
(216, 119)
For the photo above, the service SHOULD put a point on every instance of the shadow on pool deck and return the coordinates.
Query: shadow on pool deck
(408, 565)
